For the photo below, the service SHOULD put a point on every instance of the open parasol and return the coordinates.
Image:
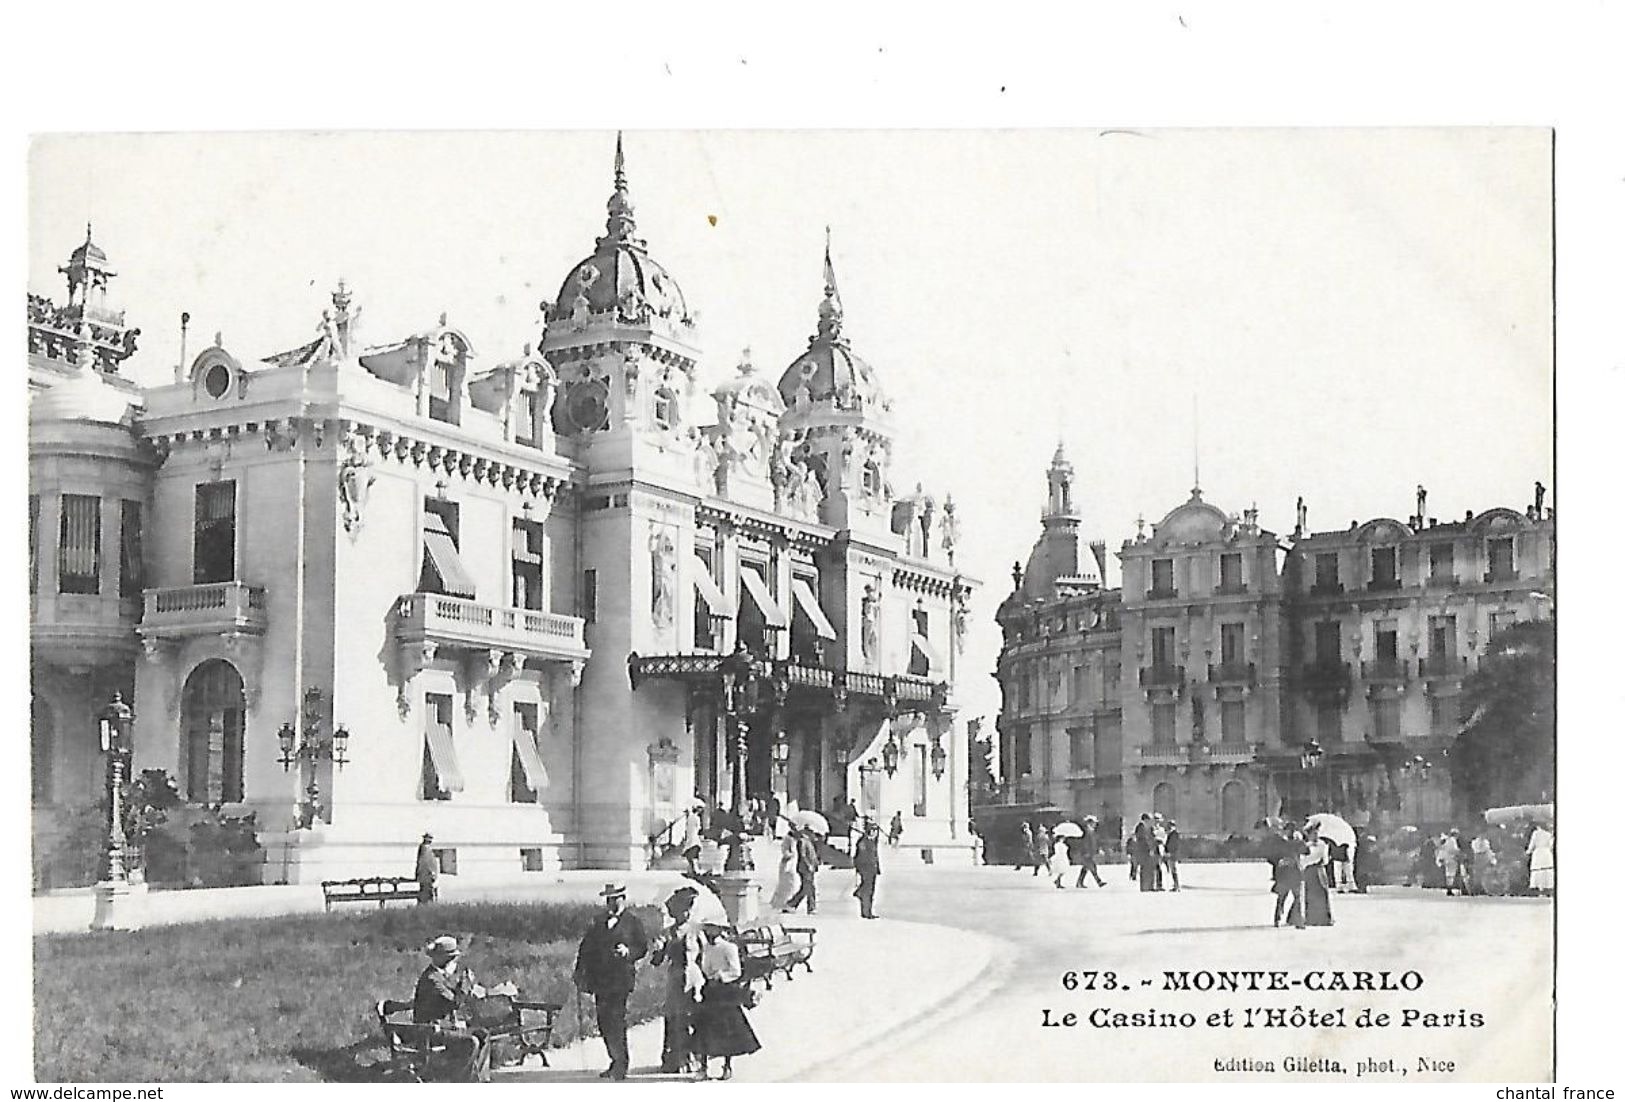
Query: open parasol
(811, 820)
(1334, 828)
(1067, 830)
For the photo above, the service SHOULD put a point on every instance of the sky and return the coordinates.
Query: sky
(1337, 314)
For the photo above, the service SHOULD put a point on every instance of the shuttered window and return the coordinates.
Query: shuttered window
(527, 565)
(79, 547)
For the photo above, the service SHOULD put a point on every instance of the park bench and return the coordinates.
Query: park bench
(511, 1034)
(369, 889)
(772, 947)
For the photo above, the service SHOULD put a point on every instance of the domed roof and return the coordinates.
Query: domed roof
(83, 396)
(829, 369)
(750, 389)
(620, 276)
(87, 255)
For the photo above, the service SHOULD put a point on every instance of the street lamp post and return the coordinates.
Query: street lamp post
(740, 681)
(114, 907)
(306, 748)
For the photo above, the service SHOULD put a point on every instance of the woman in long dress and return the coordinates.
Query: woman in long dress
(789, 882)
(720, 1026)
(1542, 861)
(1060, 861)
(1317, 900)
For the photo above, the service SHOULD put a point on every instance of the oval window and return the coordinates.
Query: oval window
(217, 380)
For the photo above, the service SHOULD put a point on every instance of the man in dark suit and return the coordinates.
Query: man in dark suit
(606, 968)
(1289, 877)
(867, 863)
(807, 869)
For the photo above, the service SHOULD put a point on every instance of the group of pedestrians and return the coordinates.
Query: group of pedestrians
(1057, 852)
(1153, 850)
(799, 862)
(1300, 860)
(1488, 864)
(706, 993)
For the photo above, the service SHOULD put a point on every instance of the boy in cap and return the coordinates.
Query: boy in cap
(444, 996)
(606, 969)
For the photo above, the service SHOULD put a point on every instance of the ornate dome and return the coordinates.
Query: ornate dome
(620, 277)
(829, 369)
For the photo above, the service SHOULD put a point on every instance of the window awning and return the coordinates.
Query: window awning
(443, 558)
(757, 588)
(807, 601)
(530, 759)
(708, 589)
(923, 647)
(444, 756)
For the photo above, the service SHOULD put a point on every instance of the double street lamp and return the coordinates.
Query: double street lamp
(308, 746)
(113, 899)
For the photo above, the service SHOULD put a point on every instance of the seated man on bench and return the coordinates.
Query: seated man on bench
(444, 998)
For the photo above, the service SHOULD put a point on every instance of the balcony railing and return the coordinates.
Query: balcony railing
(456, 622)
(1324, 589)
(1232, 673)
(1155, 594)
(1164, 754)
(1385, 669)
(1230, 589)
(1497, 577)
(208, 609)
(1443, 579)
(1383, 585)
(1434, 669)
(1162, 676)
(1230, 753)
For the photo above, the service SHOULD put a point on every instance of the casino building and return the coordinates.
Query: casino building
(1235, 674)
(368, 590)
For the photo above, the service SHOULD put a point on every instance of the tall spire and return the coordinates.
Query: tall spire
(829, 311)
(620, 227)
(1196, 446)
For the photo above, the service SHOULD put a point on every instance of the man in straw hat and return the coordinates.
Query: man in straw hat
(606, 969)
(444, 998)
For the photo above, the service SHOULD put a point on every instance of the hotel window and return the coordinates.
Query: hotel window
(442, 391)
(528, 414)
(589, 596)
(1326, 572)
(1442, 640)
(1329, 722)
(920, 653)
(1108, 746)
(526, 775)
(1501, 563)
(665, 410)
(1111, 680)
(214, 532)
(1385, 718)
(1445, 716)
(921, 781)
(79, 550)
(33, 542)
(130, 578)
(872, 482)
(1232, 644)
(1162, 578)
(443, 570)
(711, 608)
(527, 565)
(1162, 647)
(1075, 697)
(810, 629)
(1162, 723)
(1328, 643)
(1442, 562)
(1230, 573)
(1233, 721)
(1384, 568)
(1387, 642)
(1078, 749)
(441, 775)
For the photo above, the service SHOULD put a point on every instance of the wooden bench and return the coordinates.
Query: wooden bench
(772, 947)
(413, 1047)
(369, 889)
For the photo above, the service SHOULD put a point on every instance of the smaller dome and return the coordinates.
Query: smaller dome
(749, 389)
(81, 397)
(831, 370)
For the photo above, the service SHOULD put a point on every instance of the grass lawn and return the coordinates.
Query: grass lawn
(284, 999)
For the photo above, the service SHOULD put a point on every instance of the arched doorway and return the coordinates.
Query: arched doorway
(1233, 808)
(1164, 802)
(43, 748)
(212, 708)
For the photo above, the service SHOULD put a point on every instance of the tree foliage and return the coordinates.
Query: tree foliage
(1507, 752)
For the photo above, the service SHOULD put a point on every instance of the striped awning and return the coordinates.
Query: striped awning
(923, 647)
(444, 756)
(441, 552)
(807, 601)
(765, 604)
(530, 759)
(708, 589)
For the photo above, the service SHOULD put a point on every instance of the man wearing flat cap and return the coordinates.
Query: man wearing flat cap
(444, 997)
(606, 969)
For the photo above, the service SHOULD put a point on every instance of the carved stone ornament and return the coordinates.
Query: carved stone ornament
(355, 480)
(662, 578)
(871, 623)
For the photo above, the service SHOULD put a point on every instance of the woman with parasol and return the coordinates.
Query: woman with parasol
(720, 1026)
(1317, 900)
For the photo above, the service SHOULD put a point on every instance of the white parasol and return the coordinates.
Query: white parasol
(707, 909)
(1334, 828)
(1545, 814)
(811, 820)
(1067, 830)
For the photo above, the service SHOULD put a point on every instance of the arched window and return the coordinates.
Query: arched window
(1233, 808)
(212, 708)
(43, 747)
(1164, 802)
